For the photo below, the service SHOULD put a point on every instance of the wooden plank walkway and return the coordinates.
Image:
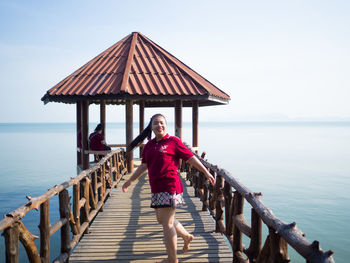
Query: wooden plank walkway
(127, 231)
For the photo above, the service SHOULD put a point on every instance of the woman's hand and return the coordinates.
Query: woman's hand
(126, 186)
(142, 168)
(194, 161)
(210, 177)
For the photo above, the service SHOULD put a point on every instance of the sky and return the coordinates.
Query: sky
(277, 60)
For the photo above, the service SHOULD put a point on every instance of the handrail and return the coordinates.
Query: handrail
(219, 199)
(92, 187)
(90, 190)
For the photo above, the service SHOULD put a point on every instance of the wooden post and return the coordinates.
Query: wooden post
(11, 235)
(205, 193)
(142, 119)
(129, 134)
(212, 195)
(118, 164)
(228, 210)
(102, 188)
(64, 214)
(94, 189)
(45, 231)
(110, 173)
(256, 237)
(114, 172)
(103, 116)
(278, 248)
(85, 184)
(28, 241)
(195, 123)
(200, 189)
(219, 218)
(85, 133)
(238, 201)
(178, 119)
(79, 134)
(76, 208)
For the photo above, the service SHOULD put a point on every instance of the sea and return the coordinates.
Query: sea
(301, 168)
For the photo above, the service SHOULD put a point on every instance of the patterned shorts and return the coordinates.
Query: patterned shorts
(165, 199)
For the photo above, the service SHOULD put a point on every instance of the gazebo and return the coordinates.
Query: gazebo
(135, 70)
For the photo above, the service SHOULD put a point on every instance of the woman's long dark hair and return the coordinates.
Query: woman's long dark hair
(146, 133)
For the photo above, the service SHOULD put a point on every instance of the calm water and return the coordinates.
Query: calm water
(302, 169)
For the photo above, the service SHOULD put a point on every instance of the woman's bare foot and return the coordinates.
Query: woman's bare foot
(187, 241)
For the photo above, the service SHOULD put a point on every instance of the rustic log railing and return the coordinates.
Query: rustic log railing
(90, 190)
(220, 199)
(92, 186)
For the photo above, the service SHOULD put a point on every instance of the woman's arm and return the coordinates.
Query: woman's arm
(139, 171)
(197, 164)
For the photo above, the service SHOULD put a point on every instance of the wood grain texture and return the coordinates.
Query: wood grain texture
(127, 231)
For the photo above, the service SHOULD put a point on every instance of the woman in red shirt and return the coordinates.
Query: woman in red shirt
(161, 157)
(97, 140)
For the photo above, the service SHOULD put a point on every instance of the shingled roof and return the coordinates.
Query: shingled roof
(136, 68)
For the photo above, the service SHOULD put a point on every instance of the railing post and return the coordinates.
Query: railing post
(205, 193)
(115, 170)
(45, 231)
(238, 200)
(200, 188)
(256, 236)
(102, 191)
(212, 196)
(76, 208)
(118, 164)
(11, 235)
(86, 209)
(219, 219)
(195, 176)
(228, 210)
(110, 171)
(278, 248)
(64, 214)
(94, 188)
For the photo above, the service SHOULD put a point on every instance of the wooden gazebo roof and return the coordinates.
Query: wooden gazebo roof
(136, 68)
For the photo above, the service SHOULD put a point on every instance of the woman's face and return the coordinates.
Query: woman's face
(159, 126)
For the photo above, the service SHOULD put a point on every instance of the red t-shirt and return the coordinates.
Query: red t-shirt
(163, 159)
(95, 141)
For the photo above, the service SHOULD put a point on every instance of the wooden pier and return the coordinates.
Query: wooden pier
(127, 231)
(99, 223)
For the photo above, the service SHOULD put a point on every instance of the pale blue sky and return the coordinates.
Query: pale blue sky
(274, 58)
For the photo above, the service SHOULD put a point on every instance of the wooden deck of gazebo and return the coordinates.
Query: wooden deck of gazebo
(127, 231)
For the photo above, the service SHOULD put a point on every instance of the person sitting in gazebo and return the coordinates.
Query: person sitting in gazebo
(97, 141)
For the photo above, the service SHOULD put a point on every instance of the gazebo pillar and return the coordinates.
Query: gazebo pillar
(141, 119)
(129, 134)
(78, 134)
(103, 116)
(195, 105)
(178, 118)
(85, 133)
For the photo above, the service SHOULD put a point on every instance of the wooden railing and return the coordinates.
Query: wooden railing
(90, 190)
(92, 186)
(221, 198)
